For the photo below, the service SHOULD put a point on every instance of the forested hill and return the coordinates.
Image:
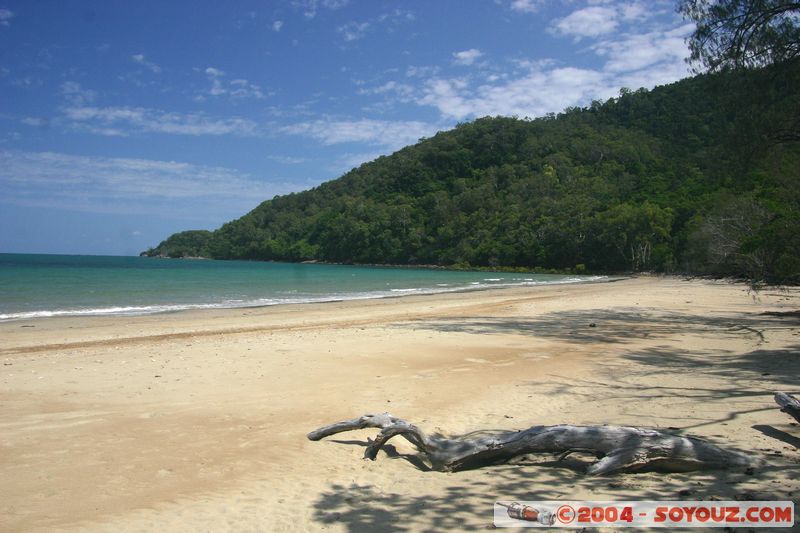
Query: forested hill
(698, 176)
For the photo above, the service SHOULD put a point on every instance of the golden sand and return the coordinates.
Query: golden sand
(196, 421)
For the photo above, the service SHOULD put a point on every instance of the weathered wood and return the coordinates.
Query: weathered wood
(789, 404)
(619, 448)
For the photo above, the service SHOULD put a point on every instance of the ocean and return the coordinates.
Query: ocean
(33, 286)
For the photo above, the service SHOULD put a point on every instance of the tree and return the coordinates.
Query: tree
(730, 236)
(637, 233)
(750, 237)
(742, 33)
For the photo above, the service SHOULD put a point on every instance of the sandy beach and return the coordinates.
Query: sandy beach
(197, 421)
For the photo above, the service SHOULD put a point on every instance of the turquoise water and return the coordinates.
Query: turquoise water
(66, 285)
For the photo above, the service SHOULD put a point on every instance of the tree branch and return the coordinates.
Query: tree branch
(789, 404)
(621, 448)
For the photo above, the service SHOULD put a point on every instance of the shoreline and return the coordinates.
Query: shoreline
(229, 320)
(179, 308)
(196, 420)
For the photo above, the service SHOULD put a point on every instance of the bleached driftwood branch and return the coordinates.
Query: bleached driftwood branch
(618, 448)
(789, 404)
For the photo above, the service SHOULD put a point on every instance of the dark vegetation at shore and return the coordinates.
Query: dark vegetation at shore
(700, 176)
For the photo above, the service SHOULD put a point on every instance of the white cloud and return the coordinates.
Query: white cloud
(588, 22)
(639, 51)
(353, 30)
(635, 55)
(277, 25)
(398, 15)
(5, 17)
(526, 6)
(421, 71)
(141, 60)
(241, 88)
(467, 57)
(237, 88)
(104, 184)
(287, 159)
(390, 87)
(27, 82)
(602, 18)
(127, 120)
(310, 7)
(35, 122)
(389, 21)
(631, 60)
(636, 11)
(537, 93)
(77, 95)
(392, 135)
(446, 95)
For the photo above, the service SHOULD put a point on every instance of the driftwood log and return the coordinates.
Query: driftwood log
(789, 404)
(618, 448)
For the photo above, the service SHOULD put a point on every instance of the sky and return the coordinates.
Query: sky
(123, 122)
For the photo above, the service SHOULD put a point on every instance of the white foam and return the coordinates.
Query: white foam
(239, 303)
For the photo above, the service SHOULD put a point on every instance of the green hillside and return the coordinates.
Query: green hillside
(698, 176)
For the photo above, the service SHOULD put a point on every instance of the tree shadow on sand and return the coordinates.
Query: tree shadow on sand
(742, 385)
(763, 365)
(639, 374)
(621, 326)
(718, 402)
(465, 500)
(615, 326)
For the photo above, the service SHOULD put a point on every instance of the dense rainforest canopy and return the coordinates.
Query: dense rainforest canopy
(699, 176)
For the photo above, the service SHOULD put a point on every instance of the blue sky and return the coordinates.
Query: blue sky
(122, 122)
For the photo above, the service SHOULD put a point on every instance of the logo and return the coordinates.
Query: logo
(663, 514)
(565, 514)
